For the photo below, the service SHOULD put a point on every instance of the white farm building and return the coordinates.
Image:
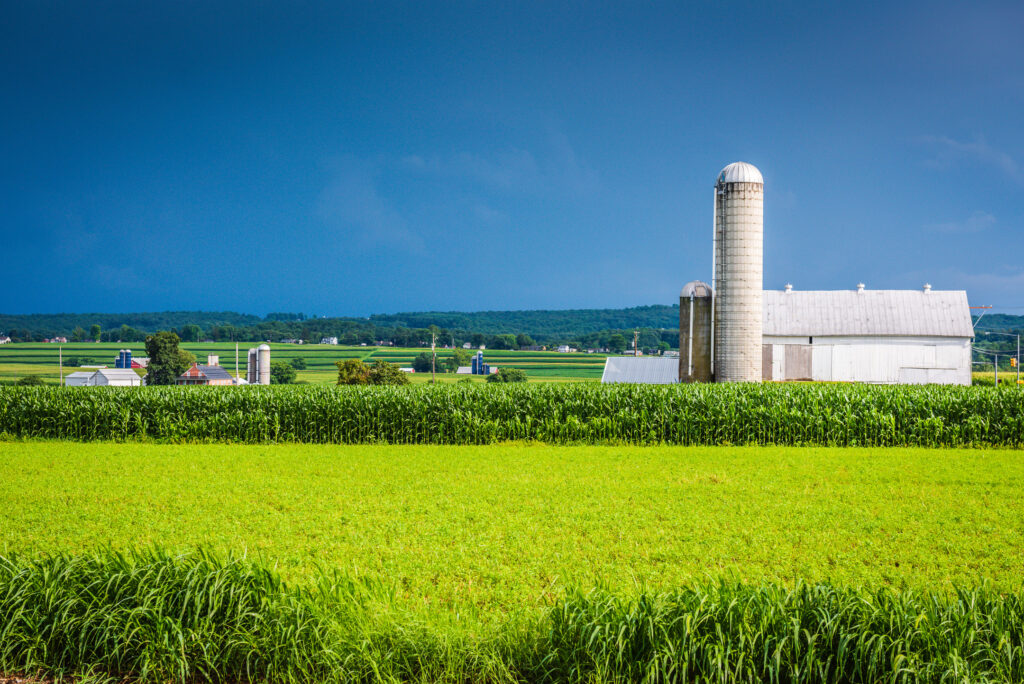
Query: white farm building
(873, 336)
(735, 331)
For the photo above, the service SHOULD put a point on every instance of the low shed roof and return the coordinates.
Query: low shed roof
(648, 370)
(911, 313)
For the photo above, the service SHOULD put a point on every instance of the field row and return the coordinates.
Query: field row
(841, 415)
(19, 360)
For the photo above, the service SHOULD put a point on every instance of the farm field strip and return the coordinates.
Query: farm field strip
(497, 528)
(19, 360)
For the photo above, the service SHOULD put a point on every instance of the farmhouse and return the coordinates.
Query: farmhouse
(205, 375)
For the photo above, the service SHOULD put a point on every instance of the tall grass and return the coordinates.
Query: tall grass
(839, 415)
(155, 617)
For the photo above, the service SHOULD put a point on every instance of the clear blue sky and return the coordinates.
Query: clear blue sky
(354, 158)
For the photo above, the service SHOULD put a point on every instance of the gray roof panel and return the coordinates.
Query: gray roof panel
(215, 373)
(898, 313)
(648, 370)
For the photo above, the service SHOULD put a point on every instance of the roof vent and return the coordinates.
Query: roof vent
(927, 288)
(789, 287)
(860, 287)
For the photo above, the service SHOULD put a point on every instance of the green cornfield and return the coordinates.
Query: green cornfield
(760, 414)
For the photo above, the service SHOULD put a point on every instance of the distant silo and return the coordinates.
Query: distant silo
(695, 332)
(738, 275)
(251, 376)
(263, 361)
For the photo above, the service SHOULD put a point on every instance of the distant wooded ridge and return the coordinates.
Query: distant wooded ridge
(542, 325)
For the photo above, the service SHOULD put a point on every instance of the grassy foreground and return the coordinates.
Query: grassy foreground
(155, 617)
(489, 531)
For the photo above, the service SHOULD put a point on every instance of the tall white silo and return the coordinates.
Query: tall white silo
(263, 363)
(738, 275)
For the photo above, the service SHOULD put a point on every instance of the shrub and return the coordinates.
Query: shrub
(508, 375)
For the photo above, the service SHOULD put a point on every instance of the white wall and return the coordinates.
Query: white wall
(904, 360)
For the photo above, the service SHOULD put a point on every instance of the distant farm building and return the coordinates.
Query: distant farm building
(329, 340)
(115, 377)
(78, 378)
(650, 370)
(205, 375)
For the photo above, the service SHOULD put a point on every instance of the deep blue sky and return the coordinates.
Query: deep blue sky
(353, 158)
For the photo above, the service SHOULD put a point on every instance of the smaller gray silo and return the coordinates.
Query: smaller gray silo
(695, 332)
(251, 376)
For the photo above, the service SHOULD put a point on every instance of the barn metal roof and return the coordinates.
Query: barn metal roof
(114, 373)
(938, 313)
(649, 370)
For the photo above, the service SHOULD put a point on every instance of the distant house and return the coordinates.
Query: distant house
(465, 345)
(53, 340)
(329, 340)
(205, 375)
(140, 362)
(291, 341)
(4, 339)
(566, 349)
(115, 377)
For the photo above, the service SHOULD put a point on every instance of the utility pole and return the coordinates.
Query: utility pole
(996, 366)
(636, 335)
(433, 355)
(60, 362)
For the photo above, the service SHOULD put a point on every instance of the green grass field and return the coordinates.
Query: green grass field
(19, 360)
(504, 528)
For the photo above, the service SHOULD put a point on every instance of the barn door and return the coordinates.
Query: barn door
(798, 362)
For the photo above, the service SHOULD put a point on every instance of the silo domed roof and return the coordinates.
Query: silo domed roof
(697, 288)
(740, 172)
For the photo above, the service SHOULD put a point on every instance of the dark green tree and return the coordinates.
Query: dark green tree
(298, 363)
(459, 357)
(29, 380)
(191, 333)
(166, 360)
(352, 372)
(94, 332)
(78, 334)
(508, 375)
(504, 341)
(421, 364)
(281, 373)
(524, 340)
(617, 343)
(384, 373)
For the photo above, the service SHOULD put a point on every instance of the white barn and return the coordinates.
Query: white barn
(871, 336)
